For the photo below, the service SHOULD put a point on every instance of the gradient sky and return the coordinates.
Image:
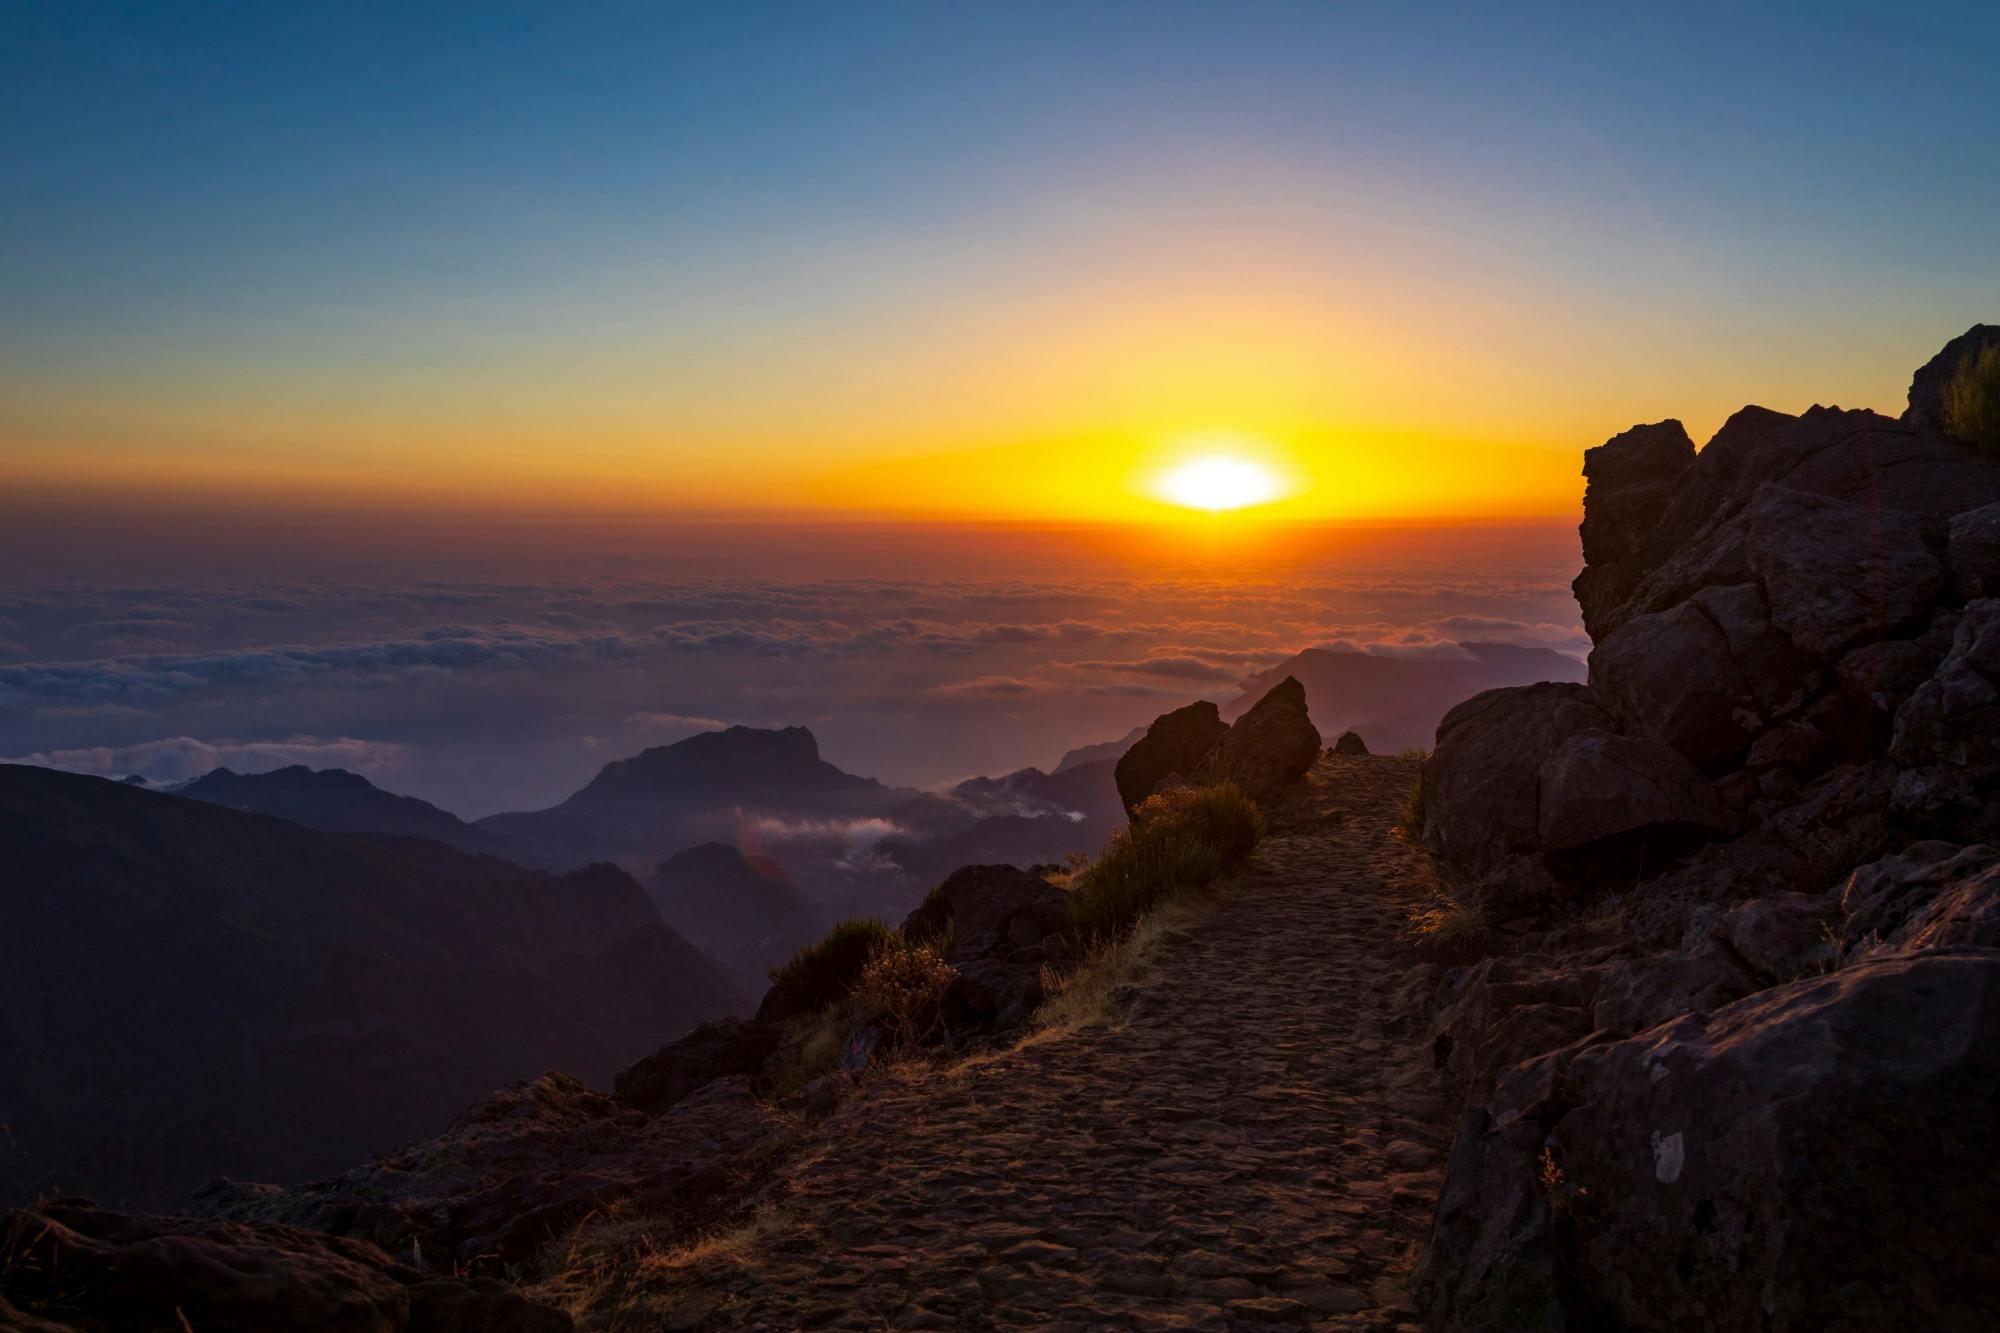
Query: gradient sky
(979, 260)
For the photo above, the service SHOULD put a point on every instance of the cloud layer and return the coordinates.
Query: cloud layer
(484, 694)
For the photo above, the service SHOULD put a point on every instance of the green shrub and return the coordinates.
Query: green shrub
(1972, 398)
(1178, 841)
(821, 974)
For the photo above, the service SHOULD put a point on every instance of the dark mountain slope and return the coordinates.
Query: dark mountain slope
(743, 907)
(334, 800)
(1397, 702)
(186, 990)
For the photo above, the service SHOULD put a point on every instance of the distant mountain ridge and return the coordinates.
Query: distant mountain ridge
(334, 800)
(671, 797)
(187, 989)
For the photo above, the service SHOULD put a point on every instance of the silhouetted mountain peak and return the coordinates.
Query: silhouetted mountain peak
(334, 800)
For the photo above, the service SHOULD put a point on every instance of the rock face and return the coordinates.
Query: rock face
(75, 1266)
(1264, 751)
(1175, 743)
(1744, 1072)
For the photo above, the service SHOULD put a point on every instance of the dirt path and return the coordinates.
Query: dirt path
(1247, 1146)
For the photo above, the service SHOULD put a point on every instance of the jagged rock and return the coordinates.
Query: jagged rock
(1267, 749)
(1927, 385)
(1975, 553)
(1500, 1012)
(1947, 734)
(1816, 1156)
(1886, 904)
(1351, 744)
(1629, 483)
(717, 1049)
(521, 1166)
(92, 1269)
(1598, 786)
(1642, 992)
(1177, 742)
(1482, 783)
(1630, 480)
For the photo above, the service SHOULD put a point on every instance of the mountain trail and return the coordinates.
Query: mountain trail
(1252, 1141)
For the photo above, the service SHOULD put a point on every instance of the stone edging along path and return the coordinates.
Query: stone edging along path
(1255, 1140)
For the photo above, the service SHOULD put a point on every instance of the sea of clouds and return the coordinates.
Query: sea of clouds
(487, 694)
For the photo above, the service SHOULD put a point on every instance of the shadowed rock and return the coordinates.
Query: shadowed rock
(1928, 384)
(90, 1269)
(1599, 786)
(1176, 743)
(1267, 749)
(1351, 744)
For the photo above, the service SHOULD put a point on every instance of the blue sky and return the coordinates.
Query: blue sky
(215, 211)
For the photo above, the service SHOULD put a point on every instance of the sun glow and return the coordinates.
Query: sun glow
(1218, 482)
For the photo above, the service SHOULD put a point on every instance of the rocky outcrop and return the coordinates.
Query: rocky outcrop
(1350, 744)
(1176, 743)
(1265, 751)
(1741, 1067)
(1005, 925)
(1927, 385)
(71, 1265)
(724, 1048)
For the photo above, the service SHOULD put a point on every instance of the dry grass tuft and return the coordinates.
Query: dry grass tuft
(1972, 398)
(1084, 996)
(1447, 927)
(813, 1053)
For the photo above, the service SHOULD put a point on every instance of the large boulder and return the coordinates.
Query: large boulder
(1177, 742)
(1269, 748)
(1006, 926)
(79, 1266)
(1816, 1156)
(1820, 1156)
(993, 911)
(722, 1048)
(1350, 745)
(1482, 784)
(1837, 573)
(1598, 786)
(1706, 677)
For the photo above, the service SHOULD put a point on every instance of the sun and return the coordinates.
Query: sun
(1218, 482)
